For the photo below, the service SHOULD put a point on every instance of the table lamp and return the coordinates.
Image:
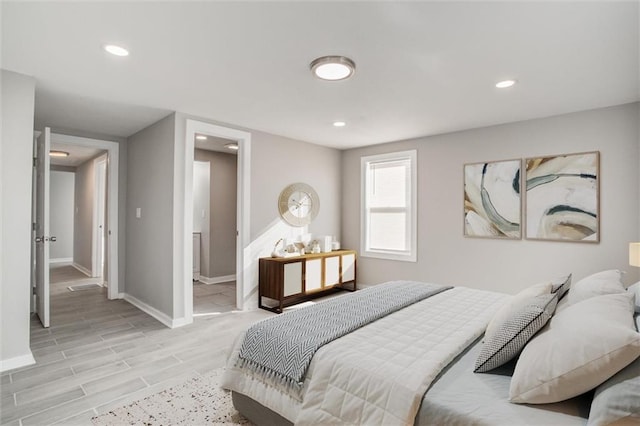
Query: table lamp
(634, 254)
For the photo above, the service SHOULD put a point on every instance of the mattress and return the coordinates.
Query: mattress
(460, 397)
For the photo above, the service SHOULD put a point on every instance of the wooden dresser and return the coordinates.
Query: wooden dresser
(290, 280)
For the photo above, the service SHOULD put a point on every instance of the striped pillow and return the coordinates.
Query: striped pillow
(506, 342)
(561, 285)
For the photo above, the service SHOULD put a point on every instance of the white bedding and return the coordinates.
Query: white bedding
(378, 373)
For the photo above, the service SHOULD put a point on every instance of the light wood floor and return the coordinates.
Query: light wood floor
(214, 298)
(100, 354)
(64, 272)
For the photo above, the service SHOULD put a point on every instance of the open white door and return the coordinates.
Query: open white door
(99, 202)
(42, 226)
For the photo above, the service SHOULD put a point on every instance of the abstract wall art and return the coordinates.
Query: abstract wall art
(562, 197)
(492, 199)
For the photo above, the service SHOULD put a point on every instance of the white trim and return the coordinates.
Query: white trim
(17, 362)
(412, 254)
(98, 192)
(217, 280)
(183, 220)
(113, 161)
(61, 260)
(82, 269)
(160, 316)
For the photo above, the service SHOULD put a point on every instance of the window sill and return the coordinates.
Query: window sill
(390, 256)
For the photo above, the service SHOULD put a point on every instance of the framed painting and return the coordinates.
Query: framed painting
(563, 197)
(492, 206)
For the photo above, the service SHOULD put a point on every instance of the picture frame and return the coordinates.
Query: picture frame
(562, 197)
(492, 199)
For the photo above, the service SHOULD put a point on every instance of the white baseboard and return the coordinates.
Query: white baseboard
(17, 362)
(61, 260)
(160, 316)
(82, 269)
(217, 280)
(180, 322)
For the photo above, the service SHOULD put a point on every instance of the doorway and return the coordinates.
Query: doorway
(77, 186)
(214, 225)
(88, 240)
(184, 174)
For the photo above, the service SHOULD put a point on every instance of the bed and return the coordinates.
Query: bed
(412, 365)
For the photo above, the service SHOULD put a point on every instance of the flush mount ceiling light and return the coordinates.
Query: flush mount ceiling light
(339, 123)
(58, 154)
(505, 83)
(232, 146)
(116, 50)
(201, 137)
(333, 68)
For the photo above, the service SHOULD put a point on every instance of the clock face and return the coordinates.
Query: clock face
(298, 204)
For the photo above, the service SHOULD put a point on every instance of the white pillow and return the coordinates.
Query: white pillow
(635, 289)
(516, 304)
(605, 282)
(580, 348)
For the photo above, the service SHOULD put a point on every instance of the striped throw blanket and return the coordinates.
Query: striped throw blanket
(280, 349)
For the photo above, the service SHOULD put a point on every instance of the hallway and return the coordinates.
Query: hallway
(64, 275)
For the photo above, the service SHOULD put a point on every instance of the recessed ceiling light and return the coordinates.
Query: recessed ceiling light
(505, 83)
(58, 154)
(333, 68)
(339, 123)
(201, 137)
(116, 50)
(232, 146)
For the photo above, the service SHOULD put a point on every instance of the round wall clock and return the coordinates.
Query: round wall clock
(298, 204)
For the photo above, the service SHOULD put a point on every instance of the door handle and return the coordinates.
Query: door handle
(45, 239)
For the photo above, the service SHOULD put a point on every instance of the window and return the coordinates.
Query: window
(388, 225)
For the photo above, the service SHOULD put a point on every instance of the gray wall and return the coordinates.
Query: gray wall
(16, 151)
(149, 239)
(445, 256)
(83, 217)
(61, 207)
(222, 208)
(277, 162)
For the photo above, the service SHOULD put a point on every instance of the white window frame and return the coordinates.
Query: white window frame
(411, 254)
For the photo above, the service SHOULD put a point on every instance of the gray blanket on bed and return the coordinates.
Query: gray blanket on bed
(280, 348)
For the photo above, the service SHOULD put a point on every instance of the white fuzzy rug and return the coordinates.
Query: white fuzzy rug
(199, 401)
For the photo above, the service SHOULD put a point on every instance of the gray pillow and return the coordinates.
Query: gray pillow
(618, 399)
(513, 334)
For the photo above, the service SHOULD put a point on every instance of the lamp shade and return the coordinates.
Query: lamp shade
(634, 254)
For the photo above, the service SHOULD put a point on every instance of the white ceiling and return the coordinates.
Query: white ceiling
(423, 68)
(214, 143)
(77, 154)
